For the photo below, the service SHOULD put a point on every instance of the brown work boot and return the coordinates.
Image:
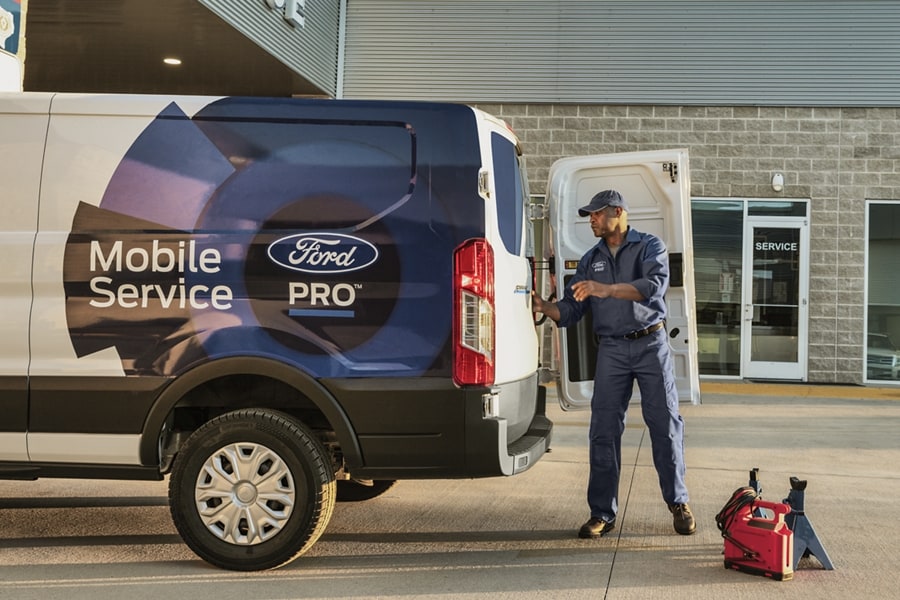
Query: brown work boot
(595, 528)
(683, 519)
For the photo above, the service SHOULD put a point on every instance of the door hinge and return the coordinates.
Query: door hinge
(537, 211)
(484, 183)
(672, 170)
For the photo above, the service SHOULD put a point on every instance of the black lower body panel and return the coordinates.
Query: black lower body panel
(426, 428)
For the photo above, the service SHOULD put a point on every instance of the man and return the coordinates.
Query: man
(623, 280)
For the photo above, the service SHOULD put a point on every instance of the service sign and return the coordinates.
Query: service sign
(776, 244)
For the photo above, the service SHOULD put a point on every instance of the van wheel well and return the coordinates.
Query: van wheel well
(235, 392)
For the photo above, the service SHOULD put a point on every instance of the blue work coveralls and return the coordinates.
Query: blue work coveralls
(642, 261)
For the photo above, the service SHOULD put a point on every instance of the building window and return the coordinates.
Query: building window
(883, 296)
(718, 246)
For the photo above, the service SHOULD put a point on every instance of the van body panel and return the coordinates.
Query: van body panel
(217, 190)
(23, 122)
(171, 242)
(454, 434)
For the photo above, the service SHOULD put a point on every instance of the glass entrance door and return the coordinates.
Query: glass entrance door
(774, 332)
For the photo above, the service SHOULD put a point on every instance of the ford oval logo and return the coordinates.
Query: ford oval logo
(323, 252)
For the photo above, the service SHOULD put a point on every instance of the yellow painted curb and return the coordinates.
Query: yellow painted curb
(750, 388)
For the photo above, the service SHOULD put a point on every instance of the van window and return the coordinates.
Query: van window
(510, 194)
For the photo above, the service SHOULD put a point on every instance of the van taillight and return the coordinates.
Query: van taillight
(473, 313)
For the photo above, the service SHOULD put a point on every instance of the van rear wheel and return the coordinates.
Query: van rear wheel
(251, 489)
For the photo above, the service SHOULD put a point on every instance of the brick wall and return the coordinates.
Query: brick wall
(837, 158)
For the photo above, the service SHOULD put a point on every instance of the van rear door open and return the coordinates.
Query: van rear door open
(657, 187)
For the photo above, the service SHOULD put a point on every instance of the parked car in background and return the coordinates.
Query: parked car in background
(882, 357)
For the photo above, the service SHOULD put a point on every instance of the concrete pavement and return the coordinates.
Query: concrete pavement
(845, 441)
(515, 537)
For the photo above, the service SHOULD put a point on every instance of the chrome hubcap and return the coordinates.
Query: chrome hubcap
(245, 493)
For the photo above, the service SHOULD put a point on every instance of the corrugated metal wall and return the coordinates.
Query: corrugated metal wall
(763, 52)
(311, 51)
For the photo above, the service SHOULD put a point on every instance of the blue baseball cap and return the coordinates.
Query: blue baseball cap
(602, 200)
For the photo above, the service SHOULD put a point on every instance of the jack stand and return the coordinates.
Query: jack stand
(756, 486)
(806, 542)
(754, 481)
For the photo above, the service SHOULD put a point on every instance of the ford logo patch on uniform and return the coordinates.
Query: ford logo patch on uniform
(323, 252)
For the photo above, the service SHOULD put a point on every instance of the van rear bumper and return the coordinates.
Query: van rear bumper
(428, 428)
(515, 452)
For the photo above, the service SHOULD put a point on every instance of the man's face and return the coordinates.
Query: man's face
(603, 221)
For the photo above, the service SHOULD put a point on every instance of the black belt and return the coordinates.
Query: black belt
(634, 335)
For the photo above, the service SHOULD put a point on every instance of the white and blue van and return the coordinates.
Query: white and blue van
(276, 302)
(281, 303)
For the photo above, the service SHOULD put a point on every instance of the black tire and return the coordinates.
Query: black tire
(222, 485)
(354, 490)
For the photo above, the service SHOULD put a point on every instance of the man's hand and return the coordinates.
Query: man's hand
(539, 305)
(587, 288)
